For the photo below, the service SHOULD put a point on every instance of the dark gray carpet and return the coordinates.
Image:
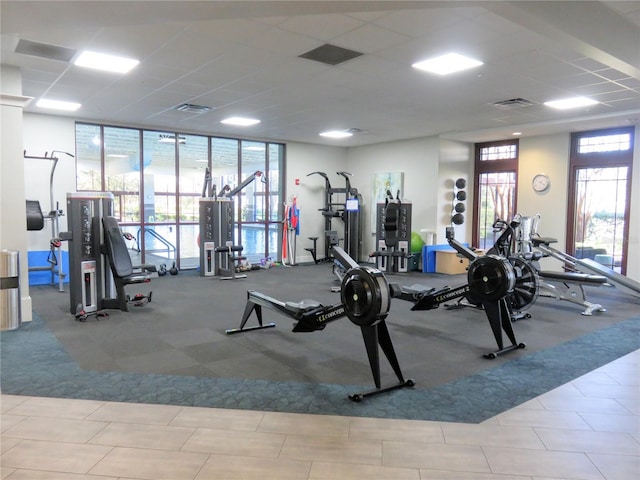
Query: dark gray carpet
(174, 351)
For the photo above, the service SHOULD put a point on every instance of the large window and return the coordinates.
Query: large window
(496, 168)
(122, 171)
(599, 193)
(157, 179)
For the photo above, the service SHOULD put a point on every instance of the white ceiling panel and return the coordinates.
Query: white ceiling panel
(241, 58)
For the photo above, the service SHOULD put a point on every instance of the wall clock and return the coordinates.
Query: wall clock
(541, 182)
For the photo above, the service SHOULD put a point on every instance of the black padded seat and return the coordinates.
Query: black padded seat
(543, 241)
(302, 306)
(120, 261)
(35, 218)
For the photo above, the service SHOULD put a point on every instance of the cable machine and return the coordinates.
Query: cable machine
(216, 226)
(87, 265)
(35, 221)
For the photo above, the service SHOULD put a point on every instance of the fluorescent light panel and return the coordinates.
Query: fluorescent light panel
(58, 105)
(240, 121)
(336, 134)
(567, 103)
(104, 62)
(446, 64)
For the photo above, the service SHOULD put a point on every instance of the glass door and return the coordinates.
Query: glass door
(599, 193)
(600, 211)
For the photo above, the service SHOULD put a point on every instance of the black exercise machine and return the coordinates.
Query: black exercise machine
(121, 267)
(365, 298)
(526, 289)
(230, 256)
(393, 235)
(217, 225)
(348, 211)
(491, 284)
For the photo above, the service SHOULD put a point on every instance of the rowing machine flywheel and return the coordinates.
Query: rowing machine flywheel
(365, 296)
(525, 292)
(490, 278)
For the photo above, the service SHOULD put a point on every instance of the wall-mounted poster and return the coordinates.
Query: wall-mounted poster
(383, 182)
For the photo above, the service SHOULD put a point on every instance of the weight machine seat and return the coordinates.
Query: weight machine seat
(120, 261)
(302, 306)
(537, 241)
(573, 277)
(229, 250)
(530, 256)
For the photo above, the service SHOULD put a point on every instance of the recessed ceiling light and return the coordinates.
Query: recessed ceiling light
(240, 121)
(58, 105)
(574, 102)
(516, 133)
(107, 63)
(445, 64)
(336, 134)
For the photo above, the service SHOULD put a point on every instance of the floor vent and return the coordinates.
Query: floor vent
(330, 54)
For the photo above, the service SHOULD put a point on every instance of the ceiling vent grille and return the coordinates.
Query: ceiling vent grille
(45, 50)
(514, 103)
(192, 108)
(330, 54)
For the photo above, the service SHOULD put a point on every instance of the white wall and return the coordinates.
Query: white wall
(550, 155)
(303, 159)
(418, 159)
(456, 161)
(42, 135)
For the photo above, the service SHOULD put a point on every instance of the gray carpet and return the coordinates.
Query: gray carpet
(174, 350)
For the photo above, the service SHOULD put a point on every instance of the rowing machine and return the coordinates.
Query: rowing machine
(365, 298)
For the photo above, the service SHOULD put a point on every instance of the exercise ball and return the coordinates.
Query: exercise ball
(416, 242)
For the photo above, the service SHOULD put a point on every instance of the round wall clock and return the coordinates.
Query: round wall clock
(541, 182)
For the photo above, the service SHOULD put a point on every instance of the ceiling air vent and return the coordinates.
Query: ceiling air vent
(45, 50)
(330, 54)
(514, 103)
(191, 108)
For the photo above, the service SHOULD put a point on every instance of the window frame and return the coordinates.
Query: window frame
(616, 158)
(482, 167)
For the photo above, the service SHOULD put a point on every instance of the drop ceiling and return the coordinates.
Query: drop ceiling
(243, 58)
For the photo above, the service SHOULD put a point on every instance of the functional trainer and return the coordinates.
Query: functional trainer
(216, 227)
(347, 209)
(99, 261)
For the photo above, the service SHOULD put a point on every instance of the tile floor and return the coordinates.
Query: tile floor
(588, 429)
